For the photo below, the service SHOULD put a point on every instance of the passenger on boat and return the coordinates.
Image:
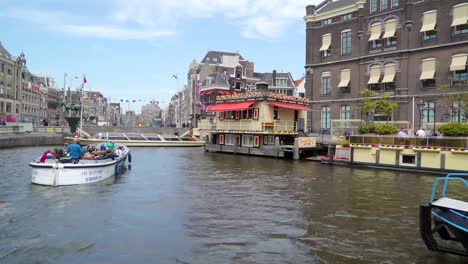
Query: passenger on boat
(47, 155)
(103, 147)
(75, 151)
(118, 152)
(110, 145)
(60, 153)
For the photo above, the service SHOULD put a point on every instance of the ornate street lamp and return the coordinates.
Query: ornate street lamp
(421, 109)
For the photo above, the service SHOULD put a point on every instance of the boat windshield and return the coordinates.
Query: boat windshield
(117, 136)
(153, 137)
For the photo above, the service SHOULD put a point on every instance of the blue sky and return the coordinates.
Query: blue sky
(131, 49)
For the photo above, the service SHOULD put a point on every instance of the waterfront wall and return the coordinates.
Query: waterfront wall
(24, 140)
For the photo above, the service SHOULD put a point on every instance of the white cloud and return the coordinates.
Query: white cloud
(150, 19)
(78, 26)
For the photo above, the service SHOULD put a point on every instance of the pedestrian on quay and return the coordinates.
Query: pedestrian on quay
(421, 133)
(75, 151)
(402, 133)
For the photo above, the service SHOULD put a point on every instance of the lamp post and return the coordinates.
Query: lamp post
(435, 108)
(361, 104)
(178, 101)
(421, 109)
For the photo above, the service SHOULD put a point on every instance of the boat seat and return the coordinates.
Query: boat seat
(449, 203)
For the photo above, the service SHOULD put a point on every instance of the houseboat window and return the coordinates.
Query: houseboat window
(271, 140)
(408, 159)
(247, 140)
(247, 114)
(275, 113)
(230, 140)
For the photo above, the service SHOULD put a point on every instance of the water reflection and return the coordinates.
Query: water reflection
(188, 206)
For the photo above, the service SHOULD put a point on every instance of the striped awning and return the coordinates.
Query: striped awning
(345, 78)
(374, 75)
(429, 21)
(326, 42)
(428, 67)
(389, 73)
(458, 62)
(460, 14)
(376, 31)
(390, 28)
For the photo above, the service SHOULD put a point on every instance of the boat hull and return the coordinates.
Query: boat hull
(141, 143)
(58, 174)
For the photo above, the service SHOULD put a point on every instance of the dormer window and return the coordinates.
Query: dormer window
(327, 22)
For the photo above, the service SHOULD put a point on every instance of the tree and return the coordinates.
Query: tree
(371, 105)
(456, 101)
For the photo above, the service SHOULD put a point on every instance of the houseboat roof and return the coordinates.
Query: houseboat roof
(240, 102)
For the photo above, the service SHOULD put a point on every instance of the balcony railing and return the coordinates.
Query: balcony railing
(257, 126)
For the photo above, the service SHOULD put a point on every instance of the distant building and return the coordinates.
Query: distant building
(278, 82)
(151, 114)
(115, 114)
(131, 119)
(10, 86)
(95, 107)
(299, 90)
(32, 98)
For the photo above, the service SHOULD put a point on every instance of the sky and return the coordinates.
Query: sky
(131, 49)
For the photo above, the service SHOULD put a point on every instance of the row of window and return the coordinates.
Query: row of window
(389, 39)
(427, 112)
(458, 69)
(384, 4)
(329, 21)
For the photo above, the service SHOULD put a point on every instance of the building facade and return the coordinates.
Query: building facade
(415, 51)
(10, 83)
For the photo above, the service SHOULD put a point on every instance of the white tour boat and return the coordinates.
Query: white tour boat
(142, 140)
(55, 173)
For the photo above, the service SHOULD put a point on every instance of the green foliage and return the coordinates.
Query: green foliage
(459, 99)
(376, 105)
(381, 129)
(345, 143)
(366, 129)
(454, 129)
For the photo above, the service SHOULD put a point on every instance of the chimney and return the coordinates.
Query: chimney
(310, 9)
(262, 87)
(273, 76)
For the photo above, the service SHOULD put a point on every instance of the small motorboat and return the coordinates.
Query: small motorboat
(444, 221)
(142, 140)
(56, 172)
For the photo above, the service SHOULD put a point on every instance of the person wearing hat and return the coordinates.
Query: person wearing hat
(75, 151)
(111, 146)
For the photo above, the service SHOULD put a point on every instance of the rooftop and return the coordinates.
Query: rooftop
(215, 56)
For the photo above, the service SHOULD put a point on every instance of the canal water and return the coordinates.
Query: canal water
(182, 205)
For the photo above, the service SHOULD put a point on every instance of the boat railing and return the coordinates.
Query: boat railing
(450, 177)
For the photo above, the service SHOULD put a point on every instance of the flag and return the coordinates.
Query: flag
(84, 82)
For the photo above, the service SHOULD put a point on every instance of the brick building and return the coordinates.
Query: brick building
(10, 83)
(407, 49)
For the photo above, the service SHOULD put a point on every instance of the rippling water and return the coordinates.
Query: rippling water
(181, 205)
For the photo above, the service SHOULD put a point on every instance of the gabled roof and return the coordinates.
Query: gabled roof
(218, 55)
(298, 82)
(4, 52)
(215, 79)
(329, 5)
(267, 77)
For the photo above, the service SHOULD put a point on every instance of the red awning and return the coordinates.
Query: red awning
(224, 92)
(290, 106)
(10, 119)
(231, 107)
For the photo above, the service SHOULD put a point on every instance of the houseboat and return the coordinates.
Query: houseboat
(259, 123)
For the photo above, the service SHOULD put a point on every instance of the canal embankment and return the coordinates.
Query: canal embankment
(30, 139)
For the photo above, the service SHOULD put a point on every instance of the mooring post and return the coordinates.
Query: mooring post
(296, 155)
(330, 153)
